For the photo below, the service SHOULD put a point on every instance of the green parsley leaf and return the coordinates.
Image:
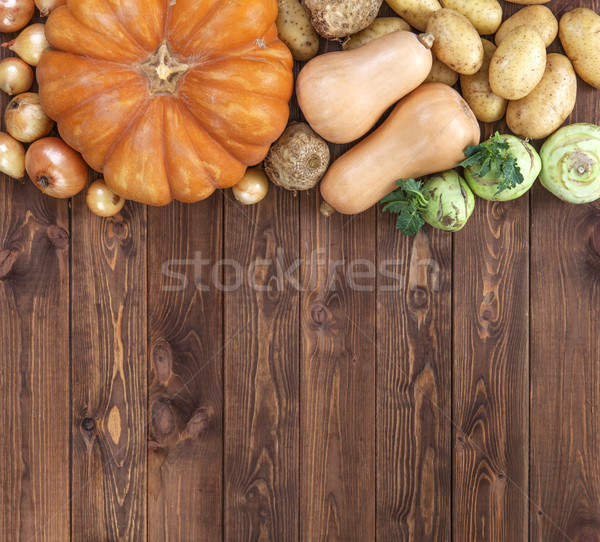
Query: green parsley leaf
(494, 153)
(408, 202)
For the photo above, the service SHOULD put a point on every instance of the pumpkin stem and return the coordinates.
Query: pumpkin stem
(163, 70)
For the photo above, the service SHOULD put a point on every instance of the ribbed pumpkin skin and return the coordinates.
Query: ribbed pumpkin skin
(156, 135)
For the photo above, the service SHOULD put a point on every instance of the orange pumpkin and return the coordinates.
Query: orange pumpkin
(169, 99)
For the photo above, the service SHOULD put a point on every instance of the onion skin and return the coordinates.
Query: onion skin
(252, 188)
(571, 163)
(15, 14)
(102, 201)
(30, 44)
(47, 6)
(12, 157)
(55, 168)
(16, 76)
(25, 119)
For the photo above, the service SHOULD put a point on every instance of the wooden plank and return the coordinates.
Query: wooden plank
(109, 374)
(261, 369)
(337, 363)
(490, 373)
(34, 364)
(565, 360)
(414, 369)
(185, 372)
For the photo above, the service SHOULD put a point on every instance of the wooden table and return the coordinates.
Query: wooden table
(355, 385)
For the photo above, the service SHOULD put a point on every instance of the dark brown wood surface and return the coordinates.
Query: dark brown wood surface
(217, 372)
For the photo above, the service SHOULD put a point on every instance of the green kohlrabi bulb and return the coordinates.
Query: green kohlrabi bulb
(529, 163)
(571, 163)
(450, 201)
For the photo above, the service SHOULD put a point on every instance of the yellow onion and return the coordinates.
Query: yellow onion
(25, 119)
(55, 168)
(30, 44)
(252, 188)
(15, 14)
(47, 6)
(12, 156)
(15, 76)
(102, 201)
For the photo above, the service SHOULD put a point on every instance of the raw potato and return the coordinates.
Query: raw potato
(477, 92)
(518, 64)
(415, 12)
(538, 17)
(485, 15)
(440, 73)
(579, 33)
(548, 105)
(529, 2)
(295, 30)
(379, 27)
(335, 19)
(298, 159)
(457, 43)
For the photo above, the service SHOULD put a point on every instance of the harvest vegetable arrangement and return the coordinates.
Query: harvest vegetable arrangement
(175, 99)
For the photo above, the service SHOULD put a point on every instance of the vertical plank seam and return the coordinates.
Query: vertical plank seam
(299, 372)
(376, 378)
(452, 365)
(223, 376)
(147, 371)
(70, 507)
(528, 513)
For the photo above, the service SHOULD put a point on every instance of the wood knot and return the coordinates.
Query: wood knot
(163, 419)
(7, 260)
(319, 314)
(419, 297)
(596, 238)
(199, 422)
(162, 359)
(58, 236)
(88, 424)
(118, 229)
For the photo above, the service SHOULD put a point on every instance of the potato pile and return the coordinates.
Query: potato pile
(510, 73)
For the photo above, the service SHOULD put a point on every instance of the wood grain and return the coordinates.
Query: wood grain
(414, 366)
(185, 373)
(490, 373)
(337, 364)
(34, 359)
(261, 369)
(109, 374)
(565, 361)
(34, 364)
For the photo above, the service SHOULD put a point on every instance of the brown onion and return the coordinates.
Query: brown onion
(55, 168)
(12, 157)
(25, 119)
(30, 44)
(252, 188)
(15, 76)
(47, 6)
(102, 201)
(15, 14)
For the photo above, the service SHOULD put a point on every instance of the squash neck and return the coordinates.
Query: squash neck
(163, 70)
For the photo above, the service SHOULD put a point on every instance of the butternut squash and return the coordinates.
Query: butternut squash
(344, 93)
(426, 132)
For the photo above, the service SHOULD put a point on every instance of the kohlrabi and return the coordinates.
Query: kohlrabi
(571, 163)
(502, 168)
(444, 201)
